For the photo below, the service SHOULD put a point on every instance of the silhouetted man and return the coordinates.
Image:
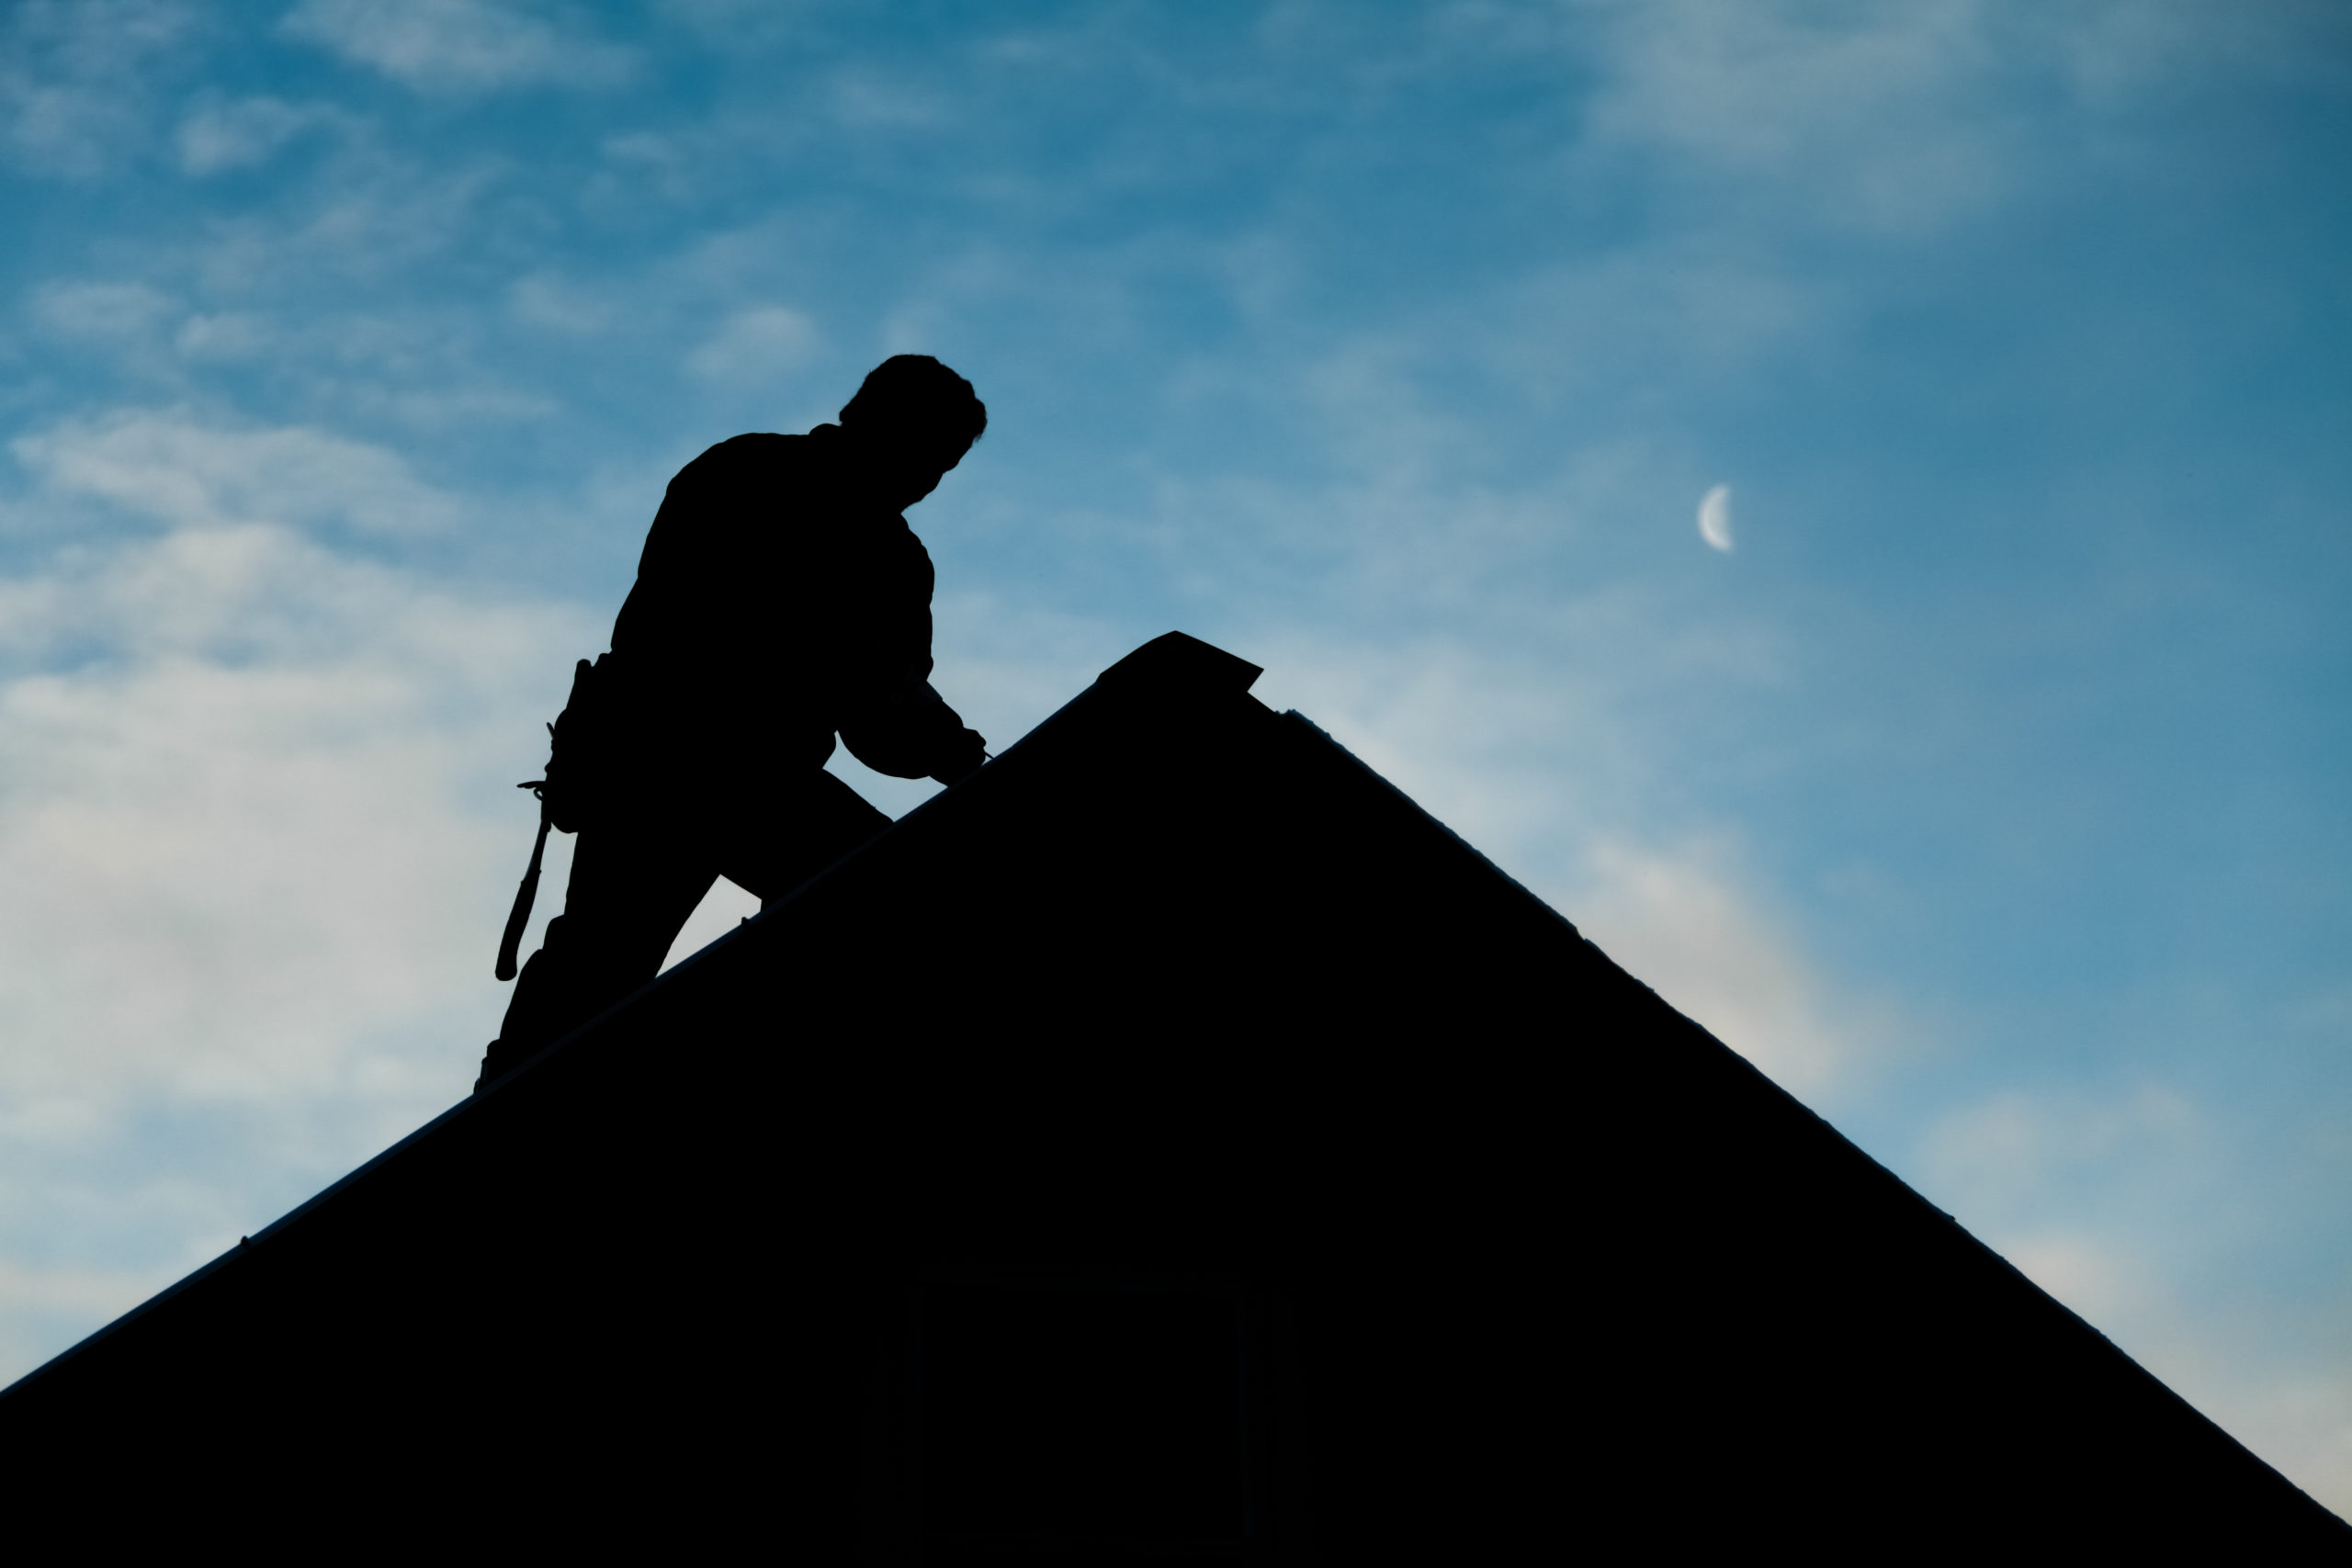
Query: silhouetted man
(781, 600)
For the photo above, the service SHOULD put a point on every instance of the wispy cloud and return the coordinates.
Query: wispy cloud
(462, 45)
(1891, 119)
(379, 218)
(1391, 347)
(1688, 923)
(756, 345)
(1549, 777)
(227, 336)
(554, 303)
(2279, 1382)
(2004, 1156)
(2125, 1206)
(245, 132)
(77, 79)
(177, 468)
(101, 310)
(256, 833)
(45, 1305)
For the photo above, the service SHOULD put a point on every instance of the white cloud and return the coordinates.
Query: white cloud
(871, 101)
(547, 301)
(45, 1306)
(252, 805)
(1469, 736)
(259, 833)
(1906, 118)
(1885, 118)
(2277, 1385)
(215, 138)
(104, 312)
(2122, 50)
(2298, 1418)
(2106, 1202)
(445, 407)
(1684, 921)
(1546, 775)
(461, 45)
(172, 467)
(258, 839)
(76, 79)
(2104, 1284)
(1997, 1158)
(381, 213)
(121, 327)
(755, 345)
(225, 335)
(69, 1288)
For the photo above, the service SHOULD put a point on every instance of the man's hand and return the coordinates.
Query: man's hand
(964, 760)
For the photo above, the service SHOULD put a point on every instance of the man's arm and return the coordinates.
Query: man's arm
(915, 735)
(890, 717)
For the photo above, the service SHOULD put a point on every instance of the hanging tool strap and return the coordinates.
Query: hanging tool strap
(525, 896)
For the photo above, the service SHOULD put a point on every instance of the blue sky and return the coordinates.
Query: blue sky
(1987, 791)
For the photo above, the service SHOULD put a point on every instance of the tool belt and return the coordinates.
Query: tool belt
(580, 749)
(579, 772)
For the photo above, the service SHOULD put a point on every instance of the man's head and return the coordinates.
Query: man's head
(912, 420)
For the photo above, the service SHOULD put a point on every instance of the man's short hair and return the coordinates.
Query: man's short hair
(917, 395)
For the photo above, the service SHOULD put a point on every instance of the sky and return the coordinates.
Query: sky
(1847, 502)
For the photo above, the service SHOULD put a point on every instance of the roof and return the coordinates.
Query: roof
(1173, 1142)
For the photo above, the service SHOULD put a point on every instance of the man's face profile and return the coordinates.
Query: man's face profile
(911, 421)
(904, 466)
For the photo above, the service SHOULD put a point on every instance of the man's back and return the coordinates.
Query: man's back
(771, 596)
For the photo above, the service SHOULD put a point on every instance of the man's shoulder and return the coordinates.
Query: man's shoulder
(758, 449)
(757, 444)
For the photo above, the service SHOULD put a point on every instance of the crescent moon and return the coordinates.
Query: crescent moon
(1715, 518)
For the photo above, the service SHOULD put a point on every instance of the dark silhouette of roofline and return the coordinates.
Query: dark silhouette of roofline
(1234, 1058)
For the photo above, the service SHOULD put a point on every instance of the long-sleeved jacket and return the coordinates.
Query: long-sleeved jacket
(773, 608)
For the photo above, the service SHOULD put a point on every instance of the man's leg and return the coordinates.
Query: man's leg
(807, 826)
(631, 892)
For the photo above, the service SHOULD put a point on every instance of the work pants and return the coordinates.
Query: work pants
(635, 880)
